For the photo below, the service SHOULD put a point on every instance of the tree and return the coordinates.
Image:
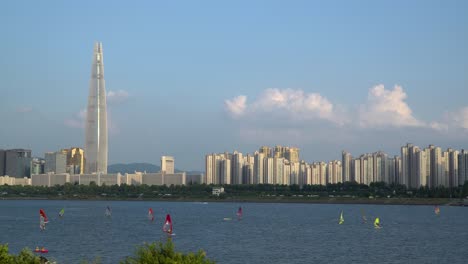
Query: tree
(24, 257)
(165, 253)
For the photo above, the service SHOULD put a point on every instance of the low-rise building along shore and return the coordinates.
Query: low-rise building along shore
(138, 178)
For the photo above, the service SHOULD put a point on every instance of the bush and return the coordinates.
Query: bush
(24, 257)
(154, 253)
(165, 254)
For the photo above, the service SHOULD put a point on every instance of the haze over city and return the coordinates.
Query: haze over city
(185, 79)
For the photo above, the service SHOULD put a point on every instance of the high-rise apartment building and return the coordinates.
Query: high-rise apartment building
(259, 173)
(96, 120)
(237, 163)
(292, 154)
(408, 165)
(453, 167)
(266, 151)
(462, 167)
(346, 159)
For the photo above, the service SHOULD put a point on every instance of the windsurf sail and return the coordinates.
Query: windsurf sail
(167, 227)
(42, 219)
(377, 222)
(150, 214)
(62, 212)
(363, 216)
(239, 213)
(108, 211)
(437, 210)
(341, 221)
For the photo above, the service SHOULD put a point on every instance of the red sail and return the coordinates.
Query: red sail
(42, 213)
(167, 227)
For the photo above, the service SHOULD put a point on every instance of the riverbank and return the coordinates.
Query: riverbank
(321, 200)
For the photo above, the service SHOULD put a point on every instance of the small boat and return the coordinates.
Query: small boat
(341, 221)
(377, 223)
(42, 250)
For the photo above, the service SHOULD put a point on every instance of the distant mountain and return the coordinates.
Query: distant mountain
(141, 167)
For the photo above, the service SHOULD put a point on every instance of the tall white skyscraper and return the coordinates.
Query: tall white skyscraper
(167, 164)
(96, 120)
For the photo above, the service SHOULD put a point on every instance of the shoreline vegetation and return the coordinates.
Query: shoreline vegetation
(375, 201)
(156, 252)
(341, 193)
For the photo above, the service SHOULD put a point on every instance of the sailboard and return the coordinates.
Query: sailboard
(43, 220)
(108, 212)
(167, 227)
(239, 213)
(341, 220)
(437, 210)
(377, 223)
(150, 214)
(62, 212)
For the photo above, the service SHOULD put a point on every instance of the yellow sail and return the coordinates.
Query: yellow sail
(341, 218)
(377, 222)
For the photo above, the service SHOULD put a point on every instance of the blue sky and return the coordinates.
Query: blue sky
(187, 78)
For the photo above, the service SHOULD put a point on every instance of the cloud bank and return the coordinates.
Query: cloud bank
(287, 103)
(382, 109)
(387, 108)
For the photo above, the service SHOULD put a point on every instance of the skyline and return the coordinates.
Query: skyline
(184, 81)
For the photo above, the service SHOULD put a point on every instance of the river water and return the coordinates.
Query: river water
(267, 233)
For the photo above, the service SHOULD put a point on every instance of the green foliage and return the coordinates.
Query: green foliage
(24, 257)
(232, 191)
(165, 254)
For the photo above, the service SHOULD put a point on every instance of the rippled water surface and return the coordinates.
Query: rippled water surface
(268, 232)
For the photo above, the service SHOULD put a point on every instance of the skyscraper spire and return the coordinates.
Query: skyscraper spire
(96, 120)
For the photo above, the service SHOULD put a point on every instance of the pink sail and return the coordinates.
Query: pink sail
(167, 227)
(150, 214)
(239, 213)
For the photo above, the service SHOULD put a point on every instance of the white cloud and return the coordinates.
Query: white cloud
(387, 108)
(77, 121)
(296, 104)
(439, 126)
(117, 96)
(460, 118)
(236, 106)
